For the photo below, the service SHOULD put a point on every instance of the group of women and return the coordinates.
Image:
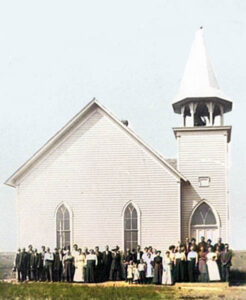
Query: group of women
(187, 262)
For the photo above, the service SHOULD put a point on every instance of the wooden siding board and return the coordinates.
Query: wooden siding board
(96, 171)
(204, 154)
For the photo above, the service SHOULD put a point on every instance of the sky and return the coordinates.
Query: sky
(55, 56)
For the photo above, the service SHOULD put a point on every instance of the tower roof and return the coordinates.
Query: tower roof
(199, 81)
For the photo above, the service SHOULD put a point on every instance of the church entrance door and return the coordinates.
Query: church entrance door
(211, 233)
(204, 223)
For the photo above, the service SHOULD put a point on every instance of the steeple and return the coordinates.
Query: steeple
(199, 96)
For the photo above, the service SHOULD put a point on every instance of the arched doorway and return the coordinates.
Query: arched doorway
(63, 228)
(204, 222)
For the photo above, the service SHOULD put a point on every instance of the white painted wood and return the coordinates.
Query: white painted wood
(203, 153)
(96, 170)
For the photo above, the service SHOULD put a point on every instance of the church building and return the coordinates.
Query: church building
(96, 182)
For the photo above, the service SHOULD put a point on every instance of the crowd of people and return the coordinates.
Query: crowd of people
(184, 262)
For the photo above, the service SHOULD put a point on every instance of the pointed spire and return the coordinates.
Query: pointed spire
(199, 81)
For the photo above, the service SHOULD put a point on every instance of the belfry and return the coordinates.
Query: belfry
(203, 147)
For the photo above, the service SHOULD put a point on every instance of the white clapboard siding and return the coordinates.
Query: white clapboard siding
(204, 153)
(96, 170)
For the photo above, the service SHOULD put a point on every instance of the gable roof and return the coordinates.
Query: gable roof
(92, 105)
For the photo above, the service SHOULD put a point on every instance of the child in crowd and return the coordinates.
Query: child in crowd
(135, 273)
(130, 272)
(141, 269)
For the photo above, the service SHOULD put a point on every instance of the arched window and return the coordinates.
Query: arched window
(203, 215)
(63, 231)
(130, 227)
(204, 223)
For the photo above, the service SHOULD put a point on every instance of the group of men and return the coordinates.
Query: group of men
(60, 265)
(96, 266)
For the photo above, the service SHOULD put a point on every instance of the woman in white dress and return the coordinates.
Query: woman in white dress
(149, 268)
(79, 267)
(167, 269)
(213, 271)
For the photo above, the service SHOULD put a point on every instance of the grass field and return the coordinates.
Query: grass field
(53, 291)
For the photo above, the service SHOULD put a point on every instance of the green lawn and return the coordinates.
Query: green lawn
(68, 291)
(54, 291)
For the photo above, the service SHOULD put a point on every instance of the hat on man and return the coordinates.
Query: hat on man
(116, 248)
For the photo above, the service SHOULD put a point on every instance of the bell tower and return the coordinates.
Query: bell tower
(203, 148)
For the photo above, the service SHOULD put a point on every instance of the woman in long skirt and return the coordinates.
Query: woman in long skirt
(157, 268)
(202, 265)
(218, 258)
(172, 257)
(167, 269)
(213, 270)
(79, 267)
(149, 268)
(91, 262)
(179, 262)
(192, 260)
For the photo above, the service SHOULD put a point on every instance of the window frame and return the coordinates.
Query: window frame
(67, 208)
(131, 230)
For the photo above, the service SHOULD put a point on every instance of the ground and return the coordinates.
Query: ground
(119, 291)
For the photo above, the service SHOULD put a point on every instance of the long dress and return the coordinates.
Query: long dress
(213, 270)
(157, 270)
(130, 272)
(91, 262)
(203, 271)
(136, 274)
(167, 271)
(149, 268)
(79, 268)
(192, 259)
(180, 266)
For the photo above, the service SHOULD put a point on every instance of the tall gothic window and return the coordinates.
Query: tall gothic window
(63, 231)
(130, 227)
(203, 215)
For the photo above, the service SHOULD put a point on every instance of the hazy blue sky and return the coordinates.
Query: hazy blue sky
(55, 56)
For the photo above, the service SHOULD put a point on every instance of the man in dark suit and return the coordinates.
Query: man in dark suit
(107, 260)
(220, 244)
(226, 257)
(17, 264)
(99, 266)
(115, 272)
(202, 244)
(33, 265)
(137, 255)
(187, 245)
(40, 265)
(56, 265)
(23, 264)
(29, 254)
